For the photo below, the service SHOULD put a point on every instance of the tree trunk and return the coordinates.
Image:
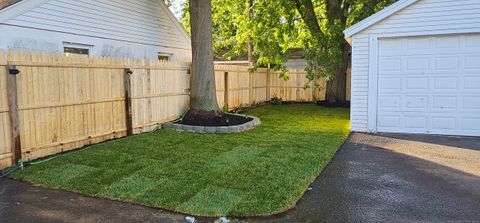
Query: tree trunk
(337, 87)
(251, 60)
(203, 97)
(307, 12)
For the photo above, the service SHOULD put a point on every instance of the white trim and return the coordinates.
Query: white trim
(377, 17)
(372, 84)
(429, 33)
(19, 8)
(352, 72)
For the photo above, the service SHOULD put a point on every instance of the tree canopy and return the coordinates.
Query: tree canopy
(275, 26)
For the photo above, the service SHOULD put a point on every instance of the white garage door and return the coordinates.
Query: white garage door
(429, 85)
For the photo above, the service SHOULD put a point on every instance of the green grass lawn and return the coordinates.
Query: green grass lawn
(259, 172)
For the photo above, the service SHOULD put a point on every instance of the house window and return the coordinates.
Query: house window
(74, 48)
(164, 56)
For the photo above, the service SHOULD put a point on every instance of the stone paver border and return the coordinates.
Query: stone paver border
(215, 129)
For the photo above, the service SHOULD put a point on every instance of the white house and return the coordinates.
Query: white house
(120, 28)
(416, 68)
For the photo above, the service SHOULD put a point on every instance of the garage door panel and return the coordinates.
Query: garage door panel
(418, 44)
(411, 121)
(444, 103)
(390, 65)
(389, 121)
(416, 122)
(471, 103)
(416, 103)
(429, 85)
(444, 123)
(389, 103)
(390, 83)
(430, 53)
(472, 41)
(471, 124)
(450, 42)
(391, 46)
(416, 83)
(416, 64)
(450, 63)
(445, 83)
(472, 62)
(472, 83)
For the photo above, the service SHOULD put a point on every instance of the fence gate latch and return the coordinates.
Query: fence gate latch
(12, 69)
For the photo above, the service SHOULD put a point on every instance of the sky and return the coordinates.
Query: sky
(176, 8)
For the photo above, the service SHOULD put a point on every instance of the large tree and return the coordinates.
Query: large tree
(327, 52)
(264, 23)
(273, 27)
(203, 98)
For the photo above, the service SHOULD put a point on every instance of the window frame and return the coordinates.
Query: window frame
(77, 46)
(167, 55)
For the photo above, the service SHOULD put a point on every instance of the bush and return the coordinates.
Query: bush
(276, 101)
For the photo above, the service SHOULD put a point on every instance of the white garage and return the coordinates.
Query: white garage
(416, 68)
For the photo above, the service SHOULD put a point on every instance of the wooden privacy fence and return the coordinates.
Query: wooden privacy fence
(245, 88)
(160, 93)
(66, 103)
(57, 103)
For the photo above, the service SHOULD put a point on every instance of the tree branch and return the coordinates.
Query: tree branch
(307, 11)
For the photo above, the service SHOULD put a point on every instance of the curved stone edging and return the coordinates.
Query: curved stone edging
(215, 129)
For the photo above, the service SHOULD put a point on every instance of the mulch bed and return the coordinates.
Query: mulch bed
(334, 105)
(224, 120)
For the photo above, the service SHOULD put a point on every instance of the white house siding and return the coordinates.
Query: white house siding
(114, 27)
(359, 101)
(426, 17)
(27, 39)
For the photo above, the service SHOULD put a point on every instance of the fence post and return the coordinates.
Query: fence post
(13, 114)
(128, 100)
(250, 88)
(226, 95)
(268, 97)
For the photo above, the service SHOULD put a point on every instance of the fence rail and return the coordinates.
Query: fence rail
(60, 103)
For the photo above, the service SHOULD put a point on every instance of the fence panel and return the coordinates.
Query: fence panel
(160, 93)
(67, 102)
(293, 89)
(5, 126)
(220, 85)
(238, 85)
(259, 86)
(246, 89)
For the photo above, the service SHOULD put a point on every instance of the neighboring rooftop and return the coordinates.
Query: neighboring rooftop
(295, 53)
(6, 3)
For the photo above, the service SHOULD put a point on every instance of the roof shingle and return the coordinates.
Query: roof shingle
(6, 3)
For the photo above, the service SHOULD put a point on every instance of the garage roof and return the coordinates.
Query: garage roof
(377, 17)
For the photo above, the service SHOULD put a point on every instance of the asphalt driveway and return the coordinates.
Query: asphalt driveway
(373, 178)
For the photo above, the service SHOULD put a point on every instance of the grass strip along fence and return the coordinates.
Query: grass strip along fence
(56, 103)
